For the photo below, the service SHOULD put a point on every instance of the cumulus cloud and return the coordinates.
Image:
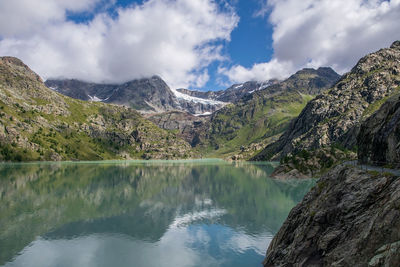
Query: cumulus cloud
(259, 72)
(314, 33)
(176, 39)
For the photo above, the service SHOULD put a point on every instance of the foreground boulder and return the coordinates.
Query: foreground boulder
(350, 218)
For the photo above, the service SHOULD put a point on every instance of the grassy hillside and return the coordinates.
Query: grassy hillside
(37, 123)
(258, 121)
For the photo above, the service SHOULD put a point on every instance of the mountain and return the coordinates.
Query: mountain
(37, 123)
(231, 94)
(335, 116)
(148, 95)
(379, 138)
(315, 79)
(260, 117)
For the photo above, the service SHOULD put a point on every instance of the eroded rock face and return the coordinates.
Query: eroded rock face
(188, 127)
(350, 218)
(335, 116)
(379, 138)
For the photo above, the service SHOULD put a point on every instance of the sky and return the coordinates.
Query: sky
(196, 44)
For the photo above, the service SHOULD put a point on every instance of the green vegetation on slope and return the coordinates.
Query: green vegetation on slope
(258, 120)
(37, 123)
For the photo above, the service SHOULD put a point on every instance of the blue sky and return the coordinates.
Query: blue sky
(197, 44)
(251, 40)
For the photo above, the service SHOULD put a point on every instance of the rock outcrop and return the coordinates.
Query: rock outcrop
(335, 116)
(187, 126)
(312, 164)
(379, 137)
(350, 218)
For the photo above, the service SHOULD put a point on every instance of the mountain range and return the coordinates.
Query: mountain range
(313, 122)
(311, 109)
(180, 109)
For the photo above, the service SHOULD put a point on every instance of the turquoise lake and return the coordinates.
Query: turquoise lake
(136, 213)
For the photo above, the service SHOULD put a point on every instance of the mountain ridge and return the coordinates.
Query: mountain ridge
(335, 116)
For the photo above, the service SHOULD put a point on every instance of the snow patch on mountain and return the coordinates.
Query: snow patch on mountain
(189, 98)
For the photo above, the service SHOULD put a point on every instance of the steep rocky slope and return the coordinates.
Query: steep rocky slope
(379, 137)
(37, 123)
(258, 118)
(350, 218)
(335, 116)
(149, 95)
(185, 125)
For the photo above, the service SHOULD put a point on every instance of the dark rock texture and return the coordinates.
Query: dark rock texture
(350, 218)
(379, 137)
(335, 116)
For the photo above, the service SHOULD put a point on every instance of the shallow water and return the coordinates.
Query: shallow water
(135, 213)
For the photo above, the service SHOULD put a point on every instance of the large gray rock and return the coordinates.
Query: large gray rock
(350, 218)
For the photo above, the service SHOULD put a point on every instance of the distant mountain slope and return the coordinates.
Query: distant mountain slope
(260, 117)
(335, 116)
(231, 94)
(147, 95)
(316, 79)
(37, 123)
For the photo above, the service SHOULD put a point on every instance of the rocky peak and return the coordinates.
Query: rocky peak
(395, 45)
(16, 64)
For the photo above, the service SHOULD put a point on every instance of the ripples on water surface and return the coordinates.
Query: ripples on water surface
(175, 213)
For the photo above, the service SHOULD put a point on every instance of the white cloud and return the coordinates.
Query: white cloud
(175, 39)
(259, 72)
(314, 33)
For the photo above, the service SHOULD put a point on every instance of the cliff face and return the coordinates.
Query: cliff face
(335, 116)
(37, 123)
(350, 218)
(187, 126)
(379, 138)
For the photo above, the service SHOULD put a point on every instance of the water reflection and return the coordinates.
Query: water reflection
(202, 213)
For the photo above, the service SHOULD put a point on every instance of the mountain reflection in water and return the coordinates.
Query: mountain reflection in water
(168, 213)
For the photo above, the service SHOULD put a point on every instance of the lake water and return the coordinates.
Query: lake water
(134, 213)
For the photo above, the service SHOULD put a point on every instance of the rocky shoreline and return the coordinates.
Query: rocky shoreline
(350, 218)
